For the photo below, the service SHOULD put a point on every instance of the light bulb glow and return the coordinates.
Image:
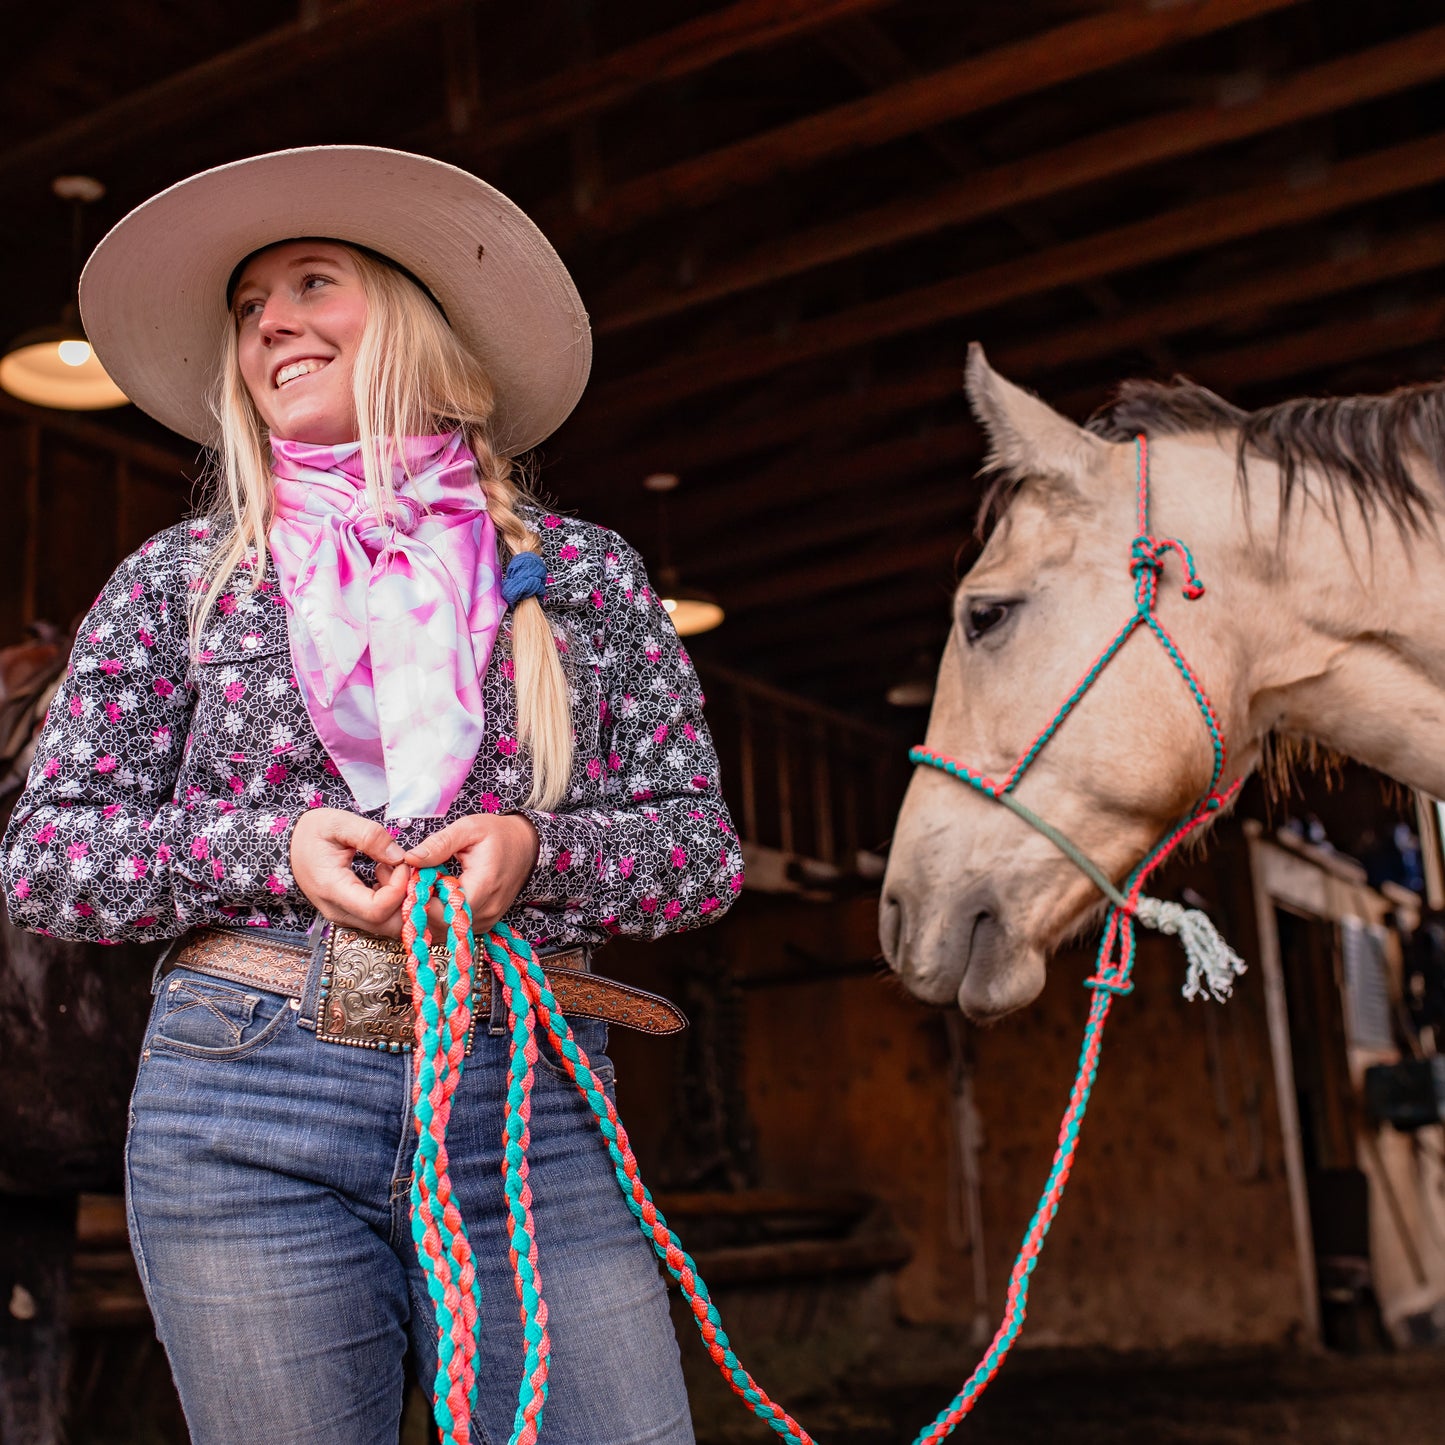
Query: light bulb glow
(74, 353)
(670, 603)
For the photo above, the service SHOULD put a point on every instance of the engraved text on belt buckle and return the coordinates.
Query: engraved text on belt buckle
(364, 999)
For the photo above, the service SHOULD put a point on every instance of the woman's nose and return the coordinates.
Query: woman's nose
(277, 320)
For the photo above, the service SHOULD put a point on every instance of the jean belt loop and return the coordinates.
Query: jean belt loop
(316, 937)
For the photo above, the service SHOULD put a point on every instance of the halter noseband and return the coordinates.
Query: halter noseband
(1213, 965)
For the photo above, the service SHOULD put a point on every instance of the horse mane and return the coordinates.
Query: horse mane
(1365, 449)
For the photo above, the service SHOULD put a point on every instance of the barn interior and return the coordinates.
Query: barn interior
(788, 220)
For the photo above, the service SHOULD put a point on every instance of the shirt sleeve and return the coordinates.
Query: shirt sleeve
(664, 856)
(103, 845)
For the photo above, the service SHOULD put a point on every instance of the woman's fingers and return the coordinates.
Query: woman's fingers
(323, 845)
(443, 844)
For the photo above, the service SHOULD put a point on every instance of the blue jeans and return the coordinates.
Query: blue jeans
(268, 1179)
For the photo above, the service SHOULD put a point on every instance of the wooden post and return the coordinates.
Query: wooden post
(1277, 1011)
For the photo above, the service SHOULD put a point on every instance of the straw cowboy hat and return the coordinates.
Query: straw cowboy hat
(153, 294)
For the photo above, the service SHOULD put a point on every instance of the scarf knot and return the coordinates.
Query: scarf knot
(392, 617)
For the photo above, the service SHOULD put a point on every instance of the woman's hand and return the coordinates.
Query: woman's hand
(323, 845)
(496, 851)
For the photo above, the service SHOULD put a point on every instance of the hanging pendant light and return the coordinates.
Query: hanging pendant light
(54, 366)
(691, 609)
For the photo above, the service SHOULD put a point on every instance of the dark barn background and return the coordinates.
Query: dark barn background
(788, 219)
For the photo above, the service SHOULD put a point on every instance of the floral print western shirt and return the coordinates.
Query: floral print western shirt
(166, 785)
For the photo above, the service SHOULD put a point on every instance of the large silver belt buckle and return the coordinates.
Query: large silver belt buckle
(364, 997)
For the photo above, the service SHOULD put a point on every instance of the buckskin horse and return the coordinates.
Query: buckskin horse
(1314, 527)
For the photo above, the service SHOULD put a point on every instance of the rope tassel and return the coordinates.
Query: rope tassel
(1213, 964)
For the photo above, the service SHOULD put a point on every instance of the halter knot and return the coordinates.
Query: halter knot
(1147, 553)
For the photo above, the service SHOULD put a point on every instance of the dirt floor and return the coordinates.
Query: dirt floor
(1064, 1399)
(1322, 1400)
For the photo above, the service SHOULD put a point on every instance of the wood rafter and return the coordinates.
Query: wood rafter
(1381, 70)
(202, 90)
(1279, 358)
(1382, 260)
(1281, 201)
(1079, 48)
(594, 86)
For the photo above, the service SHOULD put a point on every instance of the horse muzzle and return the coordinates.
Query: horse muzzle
(955, 948)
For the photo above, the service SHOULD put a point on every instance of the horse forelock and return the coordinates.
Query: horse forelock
(1366, 450)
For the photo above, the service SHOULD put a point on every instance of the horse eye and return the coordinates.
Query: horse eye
(983, 618)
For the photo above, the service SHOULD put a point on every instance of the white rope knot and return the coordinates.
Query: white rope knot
(1213, 964)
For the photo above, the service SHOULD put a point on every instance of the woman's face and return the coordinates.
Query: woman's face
(299, 311)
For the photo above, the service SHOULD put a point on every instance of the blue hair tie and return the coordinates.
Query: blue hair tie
(526, 576)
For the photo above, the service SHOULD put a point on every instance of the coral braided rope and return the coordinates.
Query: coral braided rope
(443, 1011)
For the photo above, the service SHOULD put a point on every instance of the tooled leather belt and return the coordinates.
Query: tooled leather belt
(364, 995)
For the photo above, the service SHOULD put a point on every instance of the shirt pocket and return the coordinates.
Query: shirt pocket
(250, 714)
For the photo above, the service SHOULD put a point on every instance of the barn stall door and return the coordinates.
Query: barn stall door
(1367, 1200)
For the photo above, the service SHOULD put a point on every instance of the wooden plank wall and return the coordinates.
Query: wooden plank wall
(79, 500)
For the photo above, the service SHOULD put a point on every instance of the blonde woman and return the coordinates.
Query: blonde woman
(370, 652)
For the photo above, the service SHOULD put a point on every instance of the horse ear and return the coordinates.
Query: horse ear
(1026, 436)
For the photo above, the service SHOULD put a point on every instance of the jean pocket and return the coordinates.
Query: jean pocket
(207, 1018)
(591, 1037)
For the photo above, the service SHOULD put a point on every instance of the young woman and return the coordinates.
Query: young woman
(371, 652)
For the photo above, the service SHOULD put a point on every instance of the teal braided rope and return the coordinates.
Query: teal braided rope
(443, 1017)
(1070, 702)
(516, 1137)
(507, 951)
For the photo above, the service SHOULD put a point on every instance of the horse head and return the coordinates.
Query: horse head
(974, 898)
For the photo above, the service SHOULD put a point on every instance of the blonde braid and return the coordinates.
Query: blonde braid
(544, 712)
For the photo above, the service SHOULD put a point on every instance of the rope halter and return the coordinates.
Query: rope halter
(1213, 964)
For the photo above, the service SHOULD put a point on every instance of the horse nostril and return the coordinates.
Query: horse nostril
(890, 927)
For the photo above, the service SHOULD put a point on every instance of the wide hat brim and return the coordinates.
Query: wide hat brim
(153, 294)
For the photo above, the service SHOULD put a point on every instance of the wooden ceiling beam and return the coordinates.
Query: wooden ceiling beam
(707, 446)
(1068, 51)
(185, 97)
(875, 466)
(1335, 343)
(889, 603)
(1383, 260)
(1381, 70)
(1313, 349)
(1399, 255)
(828, 527)
(594, 86)
(880, 560)
(1279, 202)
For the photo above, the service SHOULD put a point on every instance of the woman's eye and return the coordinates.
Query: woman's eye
(983, 617)
(247, 309)
(307, 280)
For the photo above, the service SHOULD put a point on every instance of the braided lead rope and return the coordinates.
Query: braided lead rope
(527, 990)
(443, 1017)
(526, 1271)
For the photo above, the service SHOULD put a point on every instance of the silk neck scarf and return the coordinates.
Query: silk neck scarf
(392, 619)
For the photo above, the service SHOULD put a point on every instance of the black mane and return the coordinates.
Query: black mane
(1368, 450)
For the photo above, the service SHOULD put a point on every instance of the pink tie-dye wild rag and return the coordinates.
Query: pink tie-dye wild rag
(392, 620)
